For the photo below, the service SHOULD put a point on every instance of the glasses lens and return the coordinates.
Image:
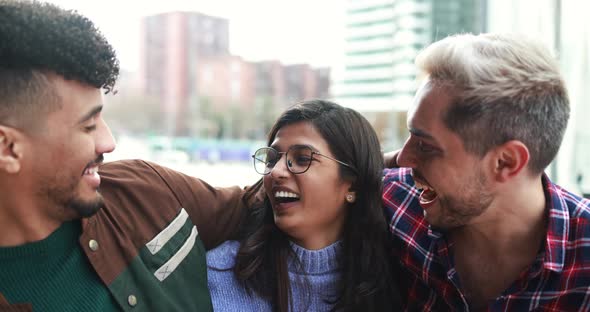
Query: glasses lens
(264, 160)
(299, 158)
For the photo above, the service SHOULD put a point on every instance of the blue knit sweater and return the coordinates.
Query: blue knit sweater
(319, 267)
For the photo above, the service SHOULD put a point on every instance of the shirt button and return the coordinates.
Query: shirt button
(93, 244)
(132, 300)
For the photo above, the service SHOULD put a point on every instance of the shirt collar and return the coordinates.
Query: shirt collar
(557, 226)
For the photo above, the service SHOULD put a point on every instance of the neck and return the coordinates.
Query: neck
(316, 237)
(315, 240)
(23, 219)
(515, 218)
(315, 243)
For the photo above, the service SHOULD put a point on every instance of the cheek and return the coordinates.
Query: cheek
(58, 153)
(436, 171)
(323, 190)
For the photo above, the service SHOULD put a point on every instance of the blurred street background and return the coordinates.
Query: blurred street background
(203, 81)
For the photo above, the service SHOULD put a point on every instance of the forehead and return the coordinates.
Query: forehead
(430, 104)
(76, 99)
(299, 133)
(76, 93)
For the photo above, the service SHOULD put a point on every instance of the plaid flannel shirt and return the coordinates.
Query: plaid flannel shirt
(558, 280)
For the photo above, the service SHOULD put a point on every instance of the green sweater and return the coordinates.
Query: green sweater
(53, 274)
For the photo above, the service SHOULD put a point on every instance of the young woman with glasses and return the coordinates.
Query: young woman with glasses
(318, 240)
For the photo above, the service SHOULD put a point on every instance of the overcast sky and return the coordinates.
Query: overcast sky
(302, 31)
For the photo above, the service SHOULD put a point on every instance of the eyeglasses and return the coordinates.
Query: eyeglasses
(298, 158)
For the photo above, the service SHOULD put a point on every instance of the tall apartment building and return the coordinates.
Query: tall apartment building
(382, 39)
(172, 46)
(458, 16)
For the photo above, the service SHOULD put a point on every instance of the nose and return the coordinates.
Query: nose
(105, 143)
(280, 169)
(405, 157)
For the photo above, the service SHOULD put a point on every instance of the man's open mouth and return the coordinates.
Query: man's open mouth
(428, 195)
(91, 170)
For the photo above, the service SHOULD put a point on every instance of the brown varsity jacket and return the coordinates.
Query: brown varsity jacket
(148, 243)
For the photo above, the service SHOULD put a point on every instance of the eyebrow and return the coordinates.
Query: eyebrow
(90, 114)
(298, 145)
(421, 133)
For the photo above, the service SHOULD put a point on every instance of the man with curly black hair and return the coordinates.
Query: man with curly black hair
(65, 245)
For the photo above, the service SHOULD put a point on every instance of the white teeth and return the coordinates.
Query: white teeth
(422, 186)
(285, 194)
(91, 170)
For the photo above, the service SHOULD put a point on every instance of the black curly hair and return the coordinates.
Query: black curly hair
(44, 37)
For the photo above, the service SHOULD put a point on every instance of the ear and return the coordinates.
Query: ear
(509, 160)
(11, 149)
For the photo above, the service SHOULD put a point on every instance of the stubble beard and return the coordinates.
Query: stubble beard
(457, 212)
(83, 208)
(68, 201)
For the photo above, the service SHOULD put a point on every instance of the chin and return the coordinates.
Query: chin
(86, 207)
(446, 223)
(283, 224)
(279, 221)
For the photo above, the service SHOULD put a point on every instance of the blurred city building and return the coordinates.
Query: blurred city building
(203, 90)
(378, 76)
(227, 81)
(270, 77)
(188, 83)
(171, 46)
(301, 82)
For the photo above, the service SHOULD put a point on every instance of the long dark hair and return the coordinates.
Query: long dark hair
(366, 282)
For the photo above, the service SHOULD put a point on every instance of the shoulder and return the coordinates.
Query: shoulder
(125, 165)
(139, 186)
(128, 167)
(140, 190)
(143, 197)
(133, 187)
(405, 216)
(131, 171)
(566, 204)
(569, 226)
(223, 257)
(398, 185)
(567, 249)
(397, 175)
(134, 175)
(579, 218)
(400, 195)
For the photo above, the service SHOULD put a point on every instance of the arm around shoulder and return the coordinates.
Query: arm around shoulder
(216, 211)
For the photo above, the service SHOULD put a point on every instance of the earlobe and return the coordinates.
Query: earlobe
(511, 158)
(10, 150)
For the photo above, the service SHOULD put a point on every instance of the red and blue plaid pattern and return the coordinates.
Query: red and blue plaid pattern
(558, 280)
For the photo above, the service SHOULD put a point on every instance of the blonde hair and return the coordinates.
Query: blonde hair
(505, 87)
